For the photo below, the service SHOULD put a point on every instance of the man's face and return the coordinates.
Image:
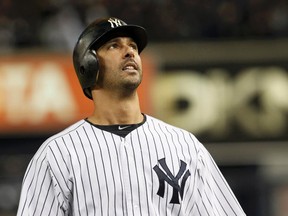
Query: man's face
(120, 64)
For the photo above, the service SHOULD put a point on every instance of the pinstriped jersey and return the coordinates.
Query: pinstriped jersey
(156, 170)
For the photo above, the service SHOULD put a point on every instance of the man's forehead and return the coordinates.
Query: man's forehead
(120, 38)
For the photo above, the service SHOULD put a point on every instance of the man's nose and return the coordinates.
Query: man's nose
(129, 52)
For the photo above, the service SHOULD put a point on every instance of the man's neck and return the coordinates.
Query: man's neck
(113, 110)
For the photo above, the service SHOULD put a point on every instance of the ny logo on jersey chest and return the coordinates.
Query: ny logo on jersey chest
(165, 175)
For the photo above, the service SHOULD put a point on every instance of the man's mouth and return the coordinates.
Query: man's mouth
(129, 66)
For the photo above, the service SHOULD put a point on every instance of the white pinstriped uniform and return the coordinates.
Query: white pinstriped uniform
(87, 171)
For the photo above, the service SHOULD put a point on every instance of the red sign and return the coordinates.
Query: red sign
(41, 93)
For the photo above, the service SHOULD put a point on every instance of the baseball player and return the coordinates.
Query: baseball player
(119, 161)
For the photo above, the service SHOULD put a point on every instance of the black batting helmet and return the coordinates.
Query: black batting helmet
(94, 36)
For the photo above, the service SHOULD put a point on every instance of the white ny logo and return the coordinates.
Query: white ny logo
(114, 22)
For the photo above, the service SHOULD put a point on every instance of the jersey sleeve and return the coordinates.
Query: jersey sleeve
(213, 195)
(41, 193)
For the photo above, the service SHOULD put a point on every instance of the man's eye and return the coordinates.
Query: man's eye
(113, 46)
(134, 46)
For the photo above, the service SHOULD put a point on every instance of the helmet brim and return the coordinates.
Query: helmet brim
(137, 33)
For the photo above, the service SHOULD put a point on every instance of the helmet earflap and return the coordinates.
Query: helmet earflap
(89, 70)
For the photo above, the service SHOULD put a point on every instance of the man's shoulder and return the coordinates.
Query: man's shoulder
(68, 130)
(63, 135)
(177, 133)
(161, 123)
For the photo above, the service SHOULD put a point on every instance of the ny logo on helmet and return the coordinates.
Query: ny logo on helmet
(115, 22)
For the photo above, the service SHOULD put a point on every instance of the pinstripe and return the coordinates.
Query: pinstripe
(195, 174)
(45, 201)
(88, 172)
(223, 197)
(36, 180)
(174, 162)
(28, 170)
(198, 210)
(130, 182)
(69, 180)
(30, 183)
(66, 166)
(192, 196)
(104, 172)
(222, 207)
(59, 168)
(164, 154)
(148, 146)
(183, 155)
(143, 173)
(170, 146)
(224, 181)
(190, 199)
(137, 175)
(52, 204)
(58, 208)
(219, 187)
(151, 130)
(41, 186)
(81, 171)
(173, 138)
(62, 157)
(95, 167)
(113, 177)
(203, 202)
(76, 180)
(209, 197)
(23, 208)
(124, 174)
(143, 167)
(163, 151)
(121, 178)
(85, 171)
(41, 150)
(164, 141)
(216, 209)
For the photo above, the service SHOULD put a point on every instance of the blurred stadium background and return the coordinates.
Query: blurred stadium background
(217, 68)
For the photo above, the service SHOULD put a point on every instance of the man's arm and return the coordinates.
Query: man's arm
(213, 194)
(41, 194)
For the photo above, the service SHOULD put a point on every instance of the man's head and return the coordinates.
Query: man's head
(92, 38)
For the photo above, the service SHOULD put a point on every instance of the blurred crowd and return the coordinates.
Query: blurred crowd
(55, 24)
